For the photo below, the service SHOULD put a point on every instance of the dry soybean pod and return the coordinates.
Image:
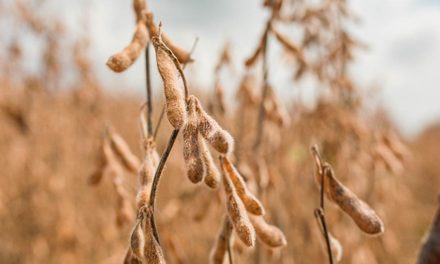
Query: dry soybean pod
(218, 252)
(191, 144)
(212, 174)
(152, 251)
(237, 213)
(252, 204)
(174, 95)
(120, 61)
(137, 241)
(139, 7)
(183, 56)
(361, 213)
(123, 152)
(269, 234)
(130, 258)
(217, 137)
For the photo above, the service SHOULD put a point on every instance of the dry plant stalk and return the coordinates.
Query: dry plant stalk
(120, 61)
(361, 213)
(174, 95)
(217, 137)
(268, 234)
(123, 153)
(218, 252)
(430, 251)
(237, 213)
(335, 246)
(212, 174)
(252, 60)
(192, 152)
(183, 56)
(251, 203)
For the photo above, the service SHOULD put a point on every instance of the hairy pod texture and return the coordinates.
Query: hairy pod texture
(217, 254)
(212, 174)
(361, 213)
(217, 137)
(268, 234)
(120, 61)
(139, 7)
(238, 215)
(251, 203)
(181, 54)
(191, 144)
(174, 94)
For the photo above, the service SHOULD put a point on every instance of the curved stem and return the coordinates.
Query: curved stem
(157, 176)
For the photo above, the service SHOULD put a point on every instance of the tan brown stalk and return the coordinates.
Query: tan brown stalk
(182, 55)
(268, 234)
(123, 153)
(192, 152)
(237, 213)
(174, 94)
(212, 174)
(252, 204)
(252, 60)
(361, 213)
(219, 138)
(120, 61)
(218, 252)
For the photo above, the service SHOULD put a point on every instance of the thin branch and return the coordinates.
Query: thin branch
(157, 176)
(149, 108)
(319, 214)
(262, 110)
(162, 113)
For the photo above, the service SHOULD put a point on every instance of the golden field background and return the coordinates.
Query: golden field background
(50, 137)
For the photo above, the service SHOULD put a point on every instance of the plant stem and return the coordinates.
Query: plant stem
(319, 213)
(262, 110)
(149, 107)
(156, 178)
(162, 113)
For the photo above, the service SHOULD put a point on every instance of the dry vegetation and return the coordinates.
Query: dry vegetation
(257, 181)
